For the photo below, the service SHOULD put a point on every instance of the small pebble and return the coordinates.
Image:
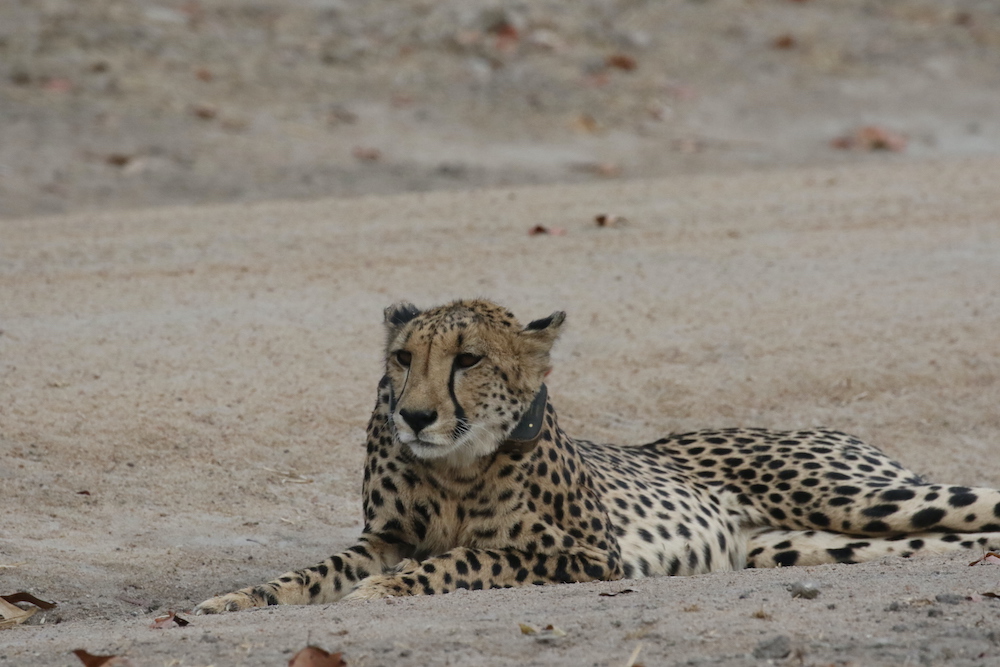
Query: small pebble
(773, 649)
(804, 589)
(949, 598)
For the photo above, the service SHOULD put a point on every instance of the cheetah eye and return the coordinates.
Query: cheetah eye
(466, 360)
(404, 358)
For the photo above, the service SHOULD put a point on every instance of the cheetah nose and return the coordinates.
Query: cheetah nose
(418, 419)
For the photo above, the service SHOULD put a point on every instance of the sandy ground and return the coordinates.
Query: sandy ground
(129, 103)
(184, 391)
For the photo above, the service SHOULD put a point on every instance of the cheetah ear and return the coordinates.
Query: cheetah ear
(397, 315)
(543, 333)
(550, 324)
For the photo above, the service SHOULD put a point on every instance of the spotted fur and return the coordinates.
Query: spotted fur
(452, 501)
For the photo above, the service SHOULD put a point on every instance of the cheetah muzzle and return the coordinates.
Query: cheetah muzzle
(471, 483)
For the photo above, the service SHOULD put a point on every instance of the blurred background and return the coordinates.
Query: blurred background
(130, 103)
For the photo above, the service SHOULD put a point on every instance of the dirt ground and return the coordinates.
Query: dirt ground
(129, 103)
(188, 356)
(185, 392)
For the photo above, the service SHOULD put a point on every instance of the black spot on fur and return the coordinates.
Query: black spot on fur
(962, 499)
(880, 511)
(845, 555)
(927, 517)
(875, 527)
(786, 558)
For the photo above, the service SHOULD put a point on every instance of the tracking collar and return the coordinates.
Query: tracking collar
(524, 437)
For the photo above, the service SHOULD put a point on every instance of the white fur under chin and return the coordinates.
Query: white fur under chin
(475, 442)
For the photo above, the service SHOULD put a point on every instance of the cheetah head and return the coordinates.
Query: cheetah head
(463, 376)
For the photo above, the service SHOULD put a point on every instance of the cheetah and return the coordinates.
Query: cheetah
(470, 483)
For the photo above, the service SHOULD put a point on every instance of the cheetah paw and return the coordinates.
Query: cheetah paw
(374, 588)
(229, 602)
(406, 566)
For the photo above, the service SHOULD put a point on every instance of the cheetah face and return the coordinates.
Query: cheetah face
(462, 376)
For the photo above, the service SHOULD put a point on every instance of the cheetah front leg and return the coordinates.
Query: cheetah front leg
(476, 569)
(326, 582)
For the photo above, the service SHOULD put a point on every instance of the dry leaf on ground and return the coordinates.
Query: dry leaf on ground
(102, 660)
(11, 614)
(115, 160)
(542, 229)
(605, 220)
(989, 558)
(58, 85)
(586, 123)
(785, 41)
(205, 111)
(167, 621)
(621, 61)
(871, 138)
(366, 153)
(314, 656)
(22, 596)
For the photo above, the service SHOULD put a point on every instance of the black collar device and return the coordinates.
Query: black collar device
(523, 437)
